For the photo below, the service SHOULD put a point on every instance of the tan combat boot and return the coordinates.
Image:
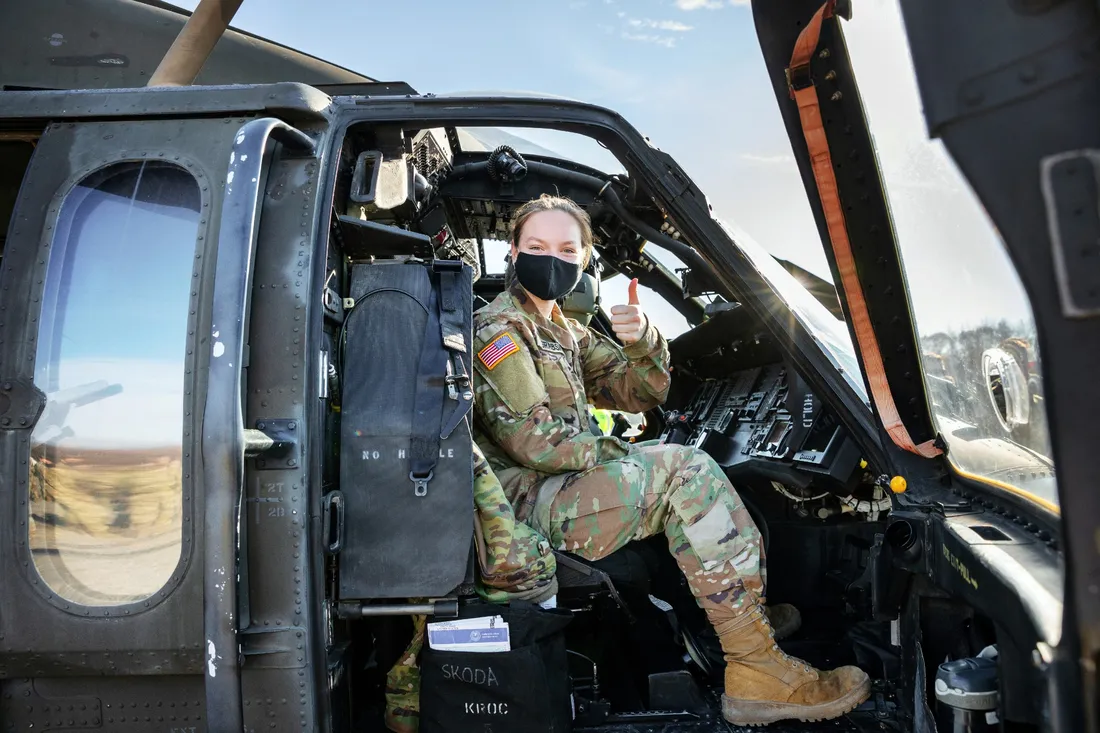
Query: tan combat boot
(764, 685)
(784, 618)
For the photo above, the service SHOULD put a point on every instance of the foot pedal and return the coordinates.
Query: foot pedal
(676, 691)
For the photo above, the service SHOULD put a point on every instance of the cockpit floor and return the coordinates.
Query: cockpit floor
(850, 724)
(876, 715)
(826, 641)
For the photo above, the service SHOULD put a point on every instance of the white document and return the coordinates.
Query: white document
(485, 634)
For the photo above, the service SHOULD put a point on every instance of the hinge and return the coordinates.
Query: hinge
(21, 404)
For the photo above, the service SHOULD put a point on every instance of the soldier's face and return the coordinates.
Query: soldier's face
(551, 233)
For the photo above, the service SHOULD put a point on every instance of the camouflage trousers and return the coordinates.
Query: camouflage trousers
(674, 489)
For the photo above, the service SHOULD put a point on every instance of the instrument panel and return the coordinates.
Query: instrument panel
(765, 421)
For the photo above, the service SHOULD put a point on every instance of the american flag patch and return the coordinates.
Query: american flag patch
(498, 351)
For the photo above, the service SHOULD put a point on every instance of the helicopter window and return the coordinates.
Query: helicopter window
(106, 493)
(495, 253)
(569, 146)
(976, 328)
(668, 320)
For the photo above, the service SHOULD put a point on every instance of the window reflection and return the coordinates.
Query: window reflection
(106, 491)
(976, 328)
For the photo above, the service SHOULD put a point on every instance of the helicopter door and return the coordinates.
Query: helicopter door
(120, 430)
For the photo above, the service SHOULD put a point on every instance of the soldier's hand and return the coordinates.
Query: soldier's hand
(628, 321)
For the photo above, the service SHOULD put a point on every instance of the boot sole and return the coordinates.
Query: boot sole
(763, 712)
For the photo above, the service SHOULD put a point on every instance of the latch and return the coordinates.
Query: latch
(274, 444)
(334, 305)
(454, 381)
(420, 483)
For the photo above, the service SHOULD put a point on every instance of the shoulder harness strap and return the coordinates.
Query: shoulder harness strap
(801, 85)
(441, 373)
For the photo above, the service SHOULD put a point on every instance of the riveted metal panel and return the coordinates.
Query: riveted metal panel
(295, 102)
(279, 607)
(168, 704)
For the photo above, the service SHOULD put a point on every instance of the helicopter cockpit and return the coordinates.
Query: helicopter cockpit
(640, 649)
(236, 313)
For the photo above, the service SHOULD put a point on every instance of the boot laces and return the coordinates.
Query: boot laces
(793, 661)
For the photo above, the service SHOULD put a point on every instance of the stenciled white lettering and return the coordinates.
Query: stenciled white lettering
(471, 675)
(401, 454)
(486, 708)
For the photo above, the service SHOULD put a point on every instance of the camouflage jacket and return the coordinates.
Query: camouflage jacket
(534, 379)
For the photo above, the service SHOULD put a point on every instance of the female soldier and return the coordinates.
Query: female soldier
(536, 372)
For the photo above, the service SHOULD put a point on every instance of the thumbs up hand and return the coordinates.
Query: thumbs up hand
(628, 321)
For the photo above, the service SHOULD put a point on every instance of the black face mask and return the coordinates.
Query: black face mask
(546, 276)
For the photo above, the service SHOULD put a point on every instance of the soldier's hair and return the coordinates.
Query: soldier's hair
(546, 202)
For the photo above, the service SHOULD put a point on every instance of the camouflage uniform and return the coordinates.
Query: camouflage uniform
(589, 494)
(515, 563)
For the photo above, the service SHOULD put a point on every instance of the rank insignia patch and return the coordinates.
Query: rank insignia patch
(498, 351)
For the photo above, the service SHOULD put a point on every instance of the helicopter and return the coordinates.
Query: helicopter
(210, 350)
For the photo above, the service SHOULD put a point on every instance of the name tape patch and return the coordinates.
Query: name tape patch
(498, 351)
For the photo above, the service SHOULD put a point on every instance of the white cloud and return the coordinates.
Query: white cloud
(663, 25)
(697, 4)
(666, 41)
(740, 2)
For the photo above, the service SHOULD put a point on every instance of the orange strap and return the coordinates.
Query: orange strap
(809, 111)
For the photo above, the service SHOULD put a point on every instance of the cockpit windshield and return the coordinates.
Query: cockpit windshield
(829, 330)
(537, 141)
(977, 333)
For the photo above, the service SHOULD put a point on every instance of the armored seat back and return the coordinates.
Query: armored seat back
(406, 470)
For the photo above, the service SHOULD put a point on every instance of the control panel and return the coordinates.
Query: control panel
(765, 420)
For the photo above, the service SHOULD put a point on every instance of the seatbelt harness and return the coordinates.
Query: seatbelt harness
(451, 324)
(440, 372)
(801, 85)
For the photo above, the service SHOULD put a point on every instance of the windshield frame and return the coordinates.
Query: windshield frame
(673, 191)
